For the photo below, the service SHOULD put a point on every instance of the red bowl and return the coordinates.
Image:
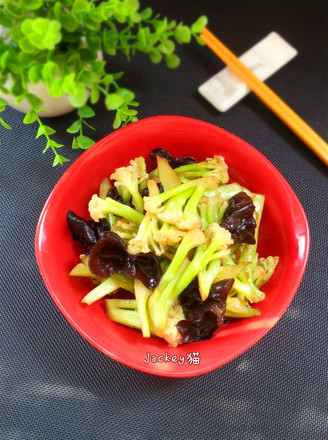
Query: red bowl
(284, 232)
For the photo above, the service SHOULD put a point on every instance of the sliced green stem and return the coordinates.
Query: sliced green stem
(123, 316)
(142, 294)
(207, 276)
(109, 286)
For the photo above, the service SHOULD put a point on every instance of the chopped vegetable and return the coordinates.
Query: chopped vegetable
(167, 176)
(203, 318)
(238, 218)
(99, 208)
(210, 167)
(128, 179)
(179, 205)
(108, 286)
(87, 232)
(110, 256)
(173, 162)
(125, 312)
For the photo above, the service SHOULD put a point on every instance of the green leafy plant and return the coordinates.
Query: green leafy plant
(58, 43)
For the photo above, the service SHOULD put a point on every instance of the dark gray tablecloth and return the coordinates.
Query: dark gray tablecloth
(53, 384)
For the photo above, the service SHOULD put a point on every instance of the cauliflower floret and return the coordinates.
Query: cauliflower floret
(221, 172)
(215, 167)
(264, 270)
(144, 240)
(169, 235)
(97, 207)
(179, 205)
(126, 229)
(171, 333)
(128, 179)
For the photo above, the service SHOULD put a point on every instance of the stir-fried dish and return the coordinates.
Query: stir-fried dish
(180, 241)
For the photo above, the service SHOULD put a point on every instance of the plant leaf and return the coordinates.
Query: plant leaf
(69, 22)
(55, 144)
(87, 124)
(50, 70)
(126, 94)
(75, 127)
(41, 131)
(26, 46)
(117, 121)
(167, 47)
(59, 159)
(84, 142)
(113, 101)
(75, 144)
(46, 148)
(198, 26)
(129, 112)
(34, 74)
(182, 34)
(80, 96)
(172, 60)
(34, 100)
(4, 58)
(48, 130)
(17, 88)
(146, 13)
(69, 84)
(86, 112)
(4, 124)
(30, 117)
(155, 56)
(32, 4)
(56, 88)
(3, 102)
(95, 94)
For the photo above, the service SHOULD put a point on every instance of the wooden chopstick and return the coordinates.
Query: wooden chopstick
(285, 113)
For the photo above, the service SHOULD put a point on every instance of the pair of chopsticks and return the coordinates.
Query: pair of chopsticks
(285, 113)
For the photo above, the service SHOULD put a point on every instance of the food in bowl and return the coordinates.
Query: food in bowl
(284, 232)
(177, 243)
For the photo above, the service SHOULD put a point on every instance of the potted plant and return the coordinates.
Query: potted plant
(51, 52)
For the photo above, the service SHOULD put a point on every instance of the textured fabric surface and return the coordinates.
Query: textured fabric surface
(53, 384)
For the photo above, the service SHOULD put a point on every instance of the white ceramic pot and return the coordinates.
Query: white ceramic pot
(54, 106)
